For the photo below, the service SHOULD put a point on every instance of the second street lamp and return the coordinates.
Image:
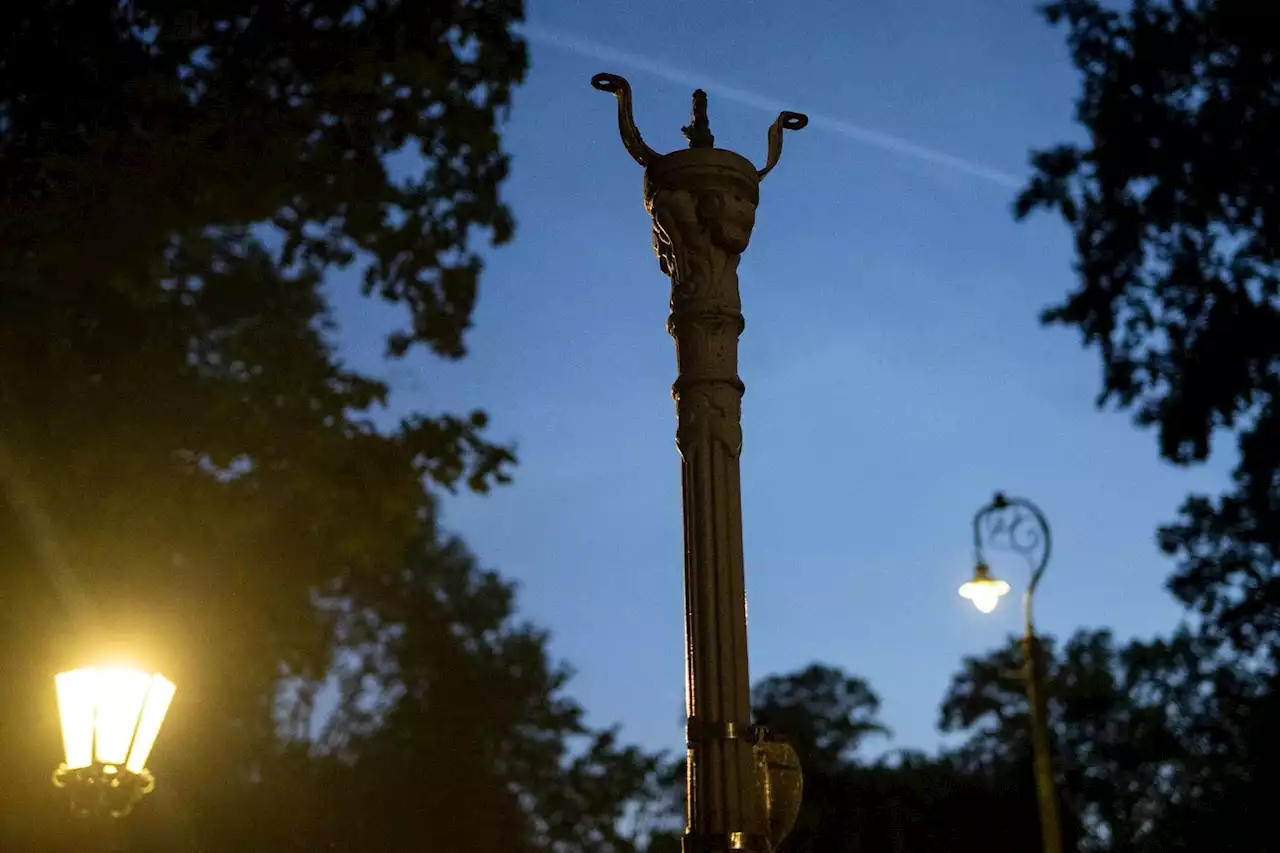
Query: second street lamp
(110, 718)
(1018, 525)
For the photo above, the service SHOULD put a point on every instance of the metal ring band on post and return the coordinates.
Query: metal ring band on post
(697, 731)
(717, 842)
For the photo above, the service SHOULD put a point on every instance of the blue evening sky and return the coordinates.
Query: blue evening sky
(896, 372)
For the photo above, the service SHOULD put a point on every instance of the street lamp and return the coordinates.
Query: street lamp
(743, 785)
(110, 720)
(1018, 525)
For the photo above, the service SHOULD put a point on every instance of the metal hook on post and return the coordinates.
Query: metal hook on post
(698, 132)
(784, 121)
(618, 86)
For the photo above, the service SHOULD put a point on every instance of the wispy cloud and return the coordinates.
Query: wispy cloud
(893, 144)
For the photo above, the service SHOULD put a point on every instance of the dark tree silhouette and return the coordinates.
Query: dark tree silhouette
(1176, 219)
(852, 804)
(449, 726)
(919, 803)
(823, 712)
(1158, 745)
(469, 715)
(180, 444)
(190, 475)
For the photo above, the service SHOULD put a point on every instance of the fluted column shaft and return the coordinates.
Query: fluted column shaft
(703, 205)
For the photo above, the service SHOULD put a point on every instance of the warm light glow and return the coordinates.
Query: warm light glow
(149, 723)
(75, 706)
(984, 592)
(111, 715)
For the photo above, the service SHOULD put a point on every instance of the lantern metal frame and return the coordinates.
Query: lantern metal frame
(103, 789)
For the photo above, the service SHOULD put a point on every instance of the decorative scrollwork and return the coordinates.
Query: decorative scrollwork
(1014, 525)
(1014, 529)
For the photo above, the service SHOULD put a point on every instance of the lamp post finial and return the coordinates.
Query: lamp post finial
(699, 130)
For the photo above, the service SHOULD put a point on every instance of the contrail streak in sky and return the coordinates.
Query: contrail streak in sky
(895, 145)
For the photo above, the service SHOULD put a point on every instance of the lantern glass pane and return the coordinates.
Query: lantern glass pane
(121, 694)
(77, 695)
(157, 705)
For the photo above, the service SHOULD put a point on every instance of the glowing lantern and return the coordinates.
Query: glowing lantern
(984, 591)
(111, 718)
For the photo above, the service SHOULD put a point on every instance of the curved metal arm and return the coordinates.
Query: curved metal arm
(699, 130)
(784, 121)
(1007, 518)
(621, 89)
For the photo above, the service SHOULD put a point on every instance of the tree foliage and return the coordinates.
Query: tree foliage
(472, 718)
(442, 721)
(822, 711)
(190, 474)
(181, 446)
(918, 802)
(853, 803)
(1174, 208)
(1159, 745)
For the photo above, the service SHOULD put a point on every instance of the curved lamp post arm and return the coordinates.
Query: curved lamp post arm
(1018, 525)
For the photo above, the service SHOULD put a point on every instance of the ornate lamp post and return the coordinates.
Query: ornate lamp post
(743, 788)
(1018, 525)
(110, 720)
